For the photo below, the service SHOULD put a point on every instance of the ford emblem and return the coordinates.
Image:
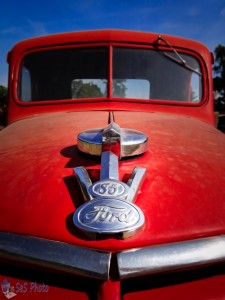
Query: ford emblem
(108, 216)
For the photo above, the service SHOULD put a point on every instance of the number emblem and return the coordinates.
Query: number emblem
(109, 189)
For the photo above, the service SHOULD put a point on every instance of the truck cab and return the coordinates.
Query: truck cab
(112, 170)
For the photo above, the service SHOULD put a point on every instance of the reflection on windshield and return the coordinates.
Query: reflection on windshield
(89, 88)
(83, 73)
(131, 88)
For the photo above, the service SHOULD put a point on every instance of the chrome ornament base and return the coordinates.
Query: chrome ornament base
(109, 209)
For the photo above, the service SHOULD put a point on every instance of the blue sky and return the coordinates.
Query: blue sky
(202, 20)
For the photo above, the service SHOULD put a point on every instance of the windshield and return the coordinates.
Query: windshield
(142, 74)
(152, 75)
(64, 74)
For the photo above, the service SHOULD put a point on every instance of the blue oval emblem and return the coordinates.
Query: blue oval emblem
(108, 216)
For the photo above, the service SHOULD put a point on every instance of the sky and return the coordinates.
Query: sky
(202, 20)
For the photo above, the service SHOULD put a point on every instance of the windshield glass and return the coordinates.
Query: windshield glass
(64, 74)
(142, 74)
(145, 74)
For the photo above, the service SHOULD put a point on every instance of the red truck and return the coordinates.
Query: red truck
(112, 172)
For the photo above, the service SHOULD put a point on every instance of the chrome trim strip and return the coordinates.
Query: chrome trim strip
(95, 264)
(170, 257)
(55, 255)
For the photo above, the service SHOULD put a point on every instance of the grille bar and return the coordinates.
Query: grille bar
(55, 255)
(170, 257)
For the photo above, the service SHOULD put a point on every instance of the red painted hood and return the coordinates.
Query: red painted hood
(182, 197)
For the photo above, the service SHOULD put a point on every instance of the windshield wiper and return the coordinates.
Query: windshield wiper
(179, 58)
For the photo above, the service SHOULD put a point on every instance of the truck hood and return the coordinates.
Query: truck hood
(182, 196)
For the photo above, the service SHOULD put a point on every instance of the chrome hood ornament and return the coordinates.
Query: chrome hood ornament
(109, 207)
